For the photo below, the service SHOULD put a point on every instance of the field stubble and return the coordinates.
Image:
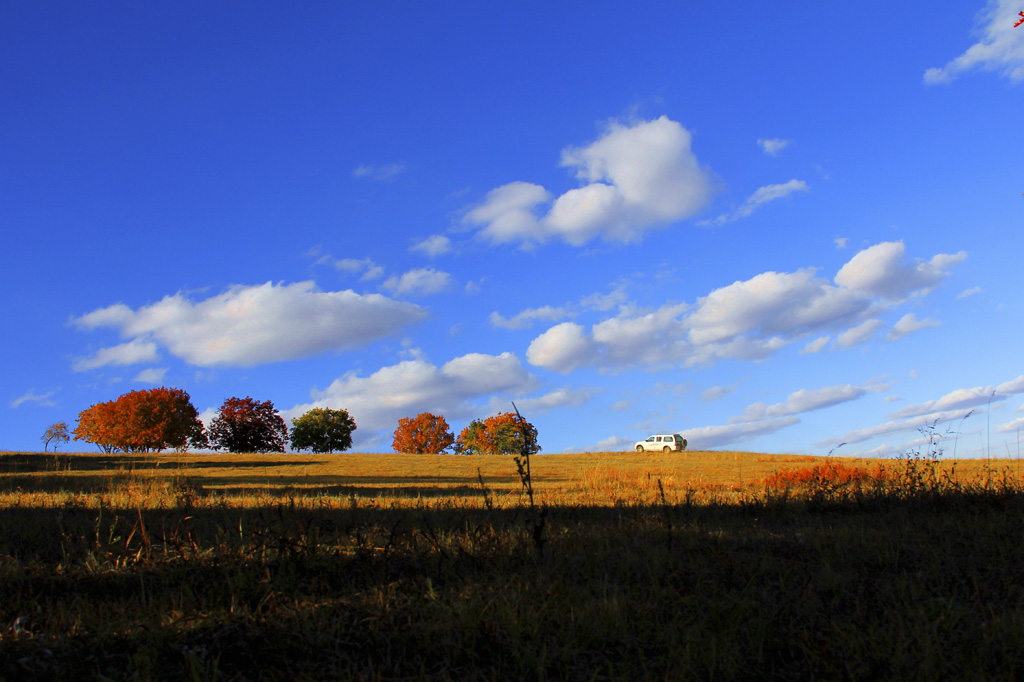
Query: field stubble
(678, 566)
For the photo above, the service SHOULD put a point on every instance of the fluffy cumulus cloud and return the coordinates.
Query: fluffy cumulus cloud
(754, 318)
(379, 400)
(879, 271)
(633, 179)
(562, 348)
(1000, 47)
(762, 196)
(418, 282)
(250, 325)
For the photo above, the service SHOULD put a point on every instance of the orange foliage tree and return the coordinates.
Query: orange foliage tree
(503, 434)
(141, 421)
(426, 433)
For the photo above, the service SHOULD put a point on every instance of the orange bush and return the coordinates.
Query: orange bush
(830, 473)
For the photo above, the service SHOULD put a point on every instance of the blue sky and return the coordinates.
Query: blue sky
(774, 231)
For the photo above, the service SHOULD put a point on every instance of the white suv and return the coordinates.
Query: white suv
(668, 443)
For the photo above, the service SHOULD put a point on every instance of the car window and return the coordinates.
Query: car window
(651, 439)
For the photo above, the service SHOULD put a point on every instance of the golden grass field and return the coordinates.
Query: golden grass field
(602, 478)
(624, 566)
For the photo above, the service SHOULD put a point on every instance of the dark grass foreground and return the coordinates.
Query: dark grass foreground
(900, 580)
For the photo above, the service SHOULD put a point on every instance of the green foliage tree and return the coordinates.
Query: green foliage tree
(58, 433)
(426, 433)
(247, 425)
(322, 429)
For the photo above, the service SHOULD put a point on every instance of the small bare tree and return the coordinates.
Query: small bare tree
(58, 433)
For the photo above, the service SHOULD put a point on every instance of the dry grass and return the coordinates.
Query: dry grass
(355, 566)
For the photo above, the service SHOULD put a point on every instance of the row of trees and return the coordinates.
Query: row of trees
(164, 418)
(504, 434)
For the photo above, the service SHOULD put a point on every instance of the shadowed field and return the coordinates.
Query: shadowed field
(624, 566)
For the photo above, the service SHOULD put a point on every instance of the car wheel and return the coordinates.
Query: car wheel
(639, 448)
(667, 449)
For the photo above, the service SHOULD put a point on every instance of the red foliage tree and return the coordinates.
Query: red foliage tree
(247, 425)
(426, 433)
(503, 434)
(141, 421)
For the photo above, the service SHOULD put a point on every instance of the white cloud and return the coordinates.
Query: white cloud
(773, 303)
(815, 346)
(433, 246)
(802, 401)
(507, 213)
(610, 444)
(1012, 427)
(840, 242)
(862, 333)
(252, 325)
(773, 146)
(649, 339)
(908, 324)
(968, 292)
(383, 172)
(560, 397)
(368, 269)
(378, 401)
(714, 393)
(707, 437)
(131, 353)
(153, 375)
(751, 319)
(606, 301)
(1000, 48)
(951, 407)
(637, 178)
(30, 396)
(762, 196)
(963, 398)
(526, 318)
(891, 427)
(562, 348)
(418, 282)
(877, 271)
